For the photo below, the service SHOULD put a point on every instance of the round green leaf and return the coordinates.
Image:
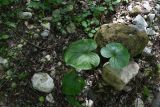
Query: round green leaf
(72, 84)
(118, 54)
(80, 56)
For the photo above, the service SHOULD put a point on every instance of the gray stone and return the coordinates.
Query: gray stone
(147, 6)
(150, 31)
(157, 7)
(151, 17)
(45, 33)
(4, 62)
(138, 102)
(140, 22)
(25, 15)
(147, 50)
(118, 78)
(156, 101)
(50, 98)
(42, 82)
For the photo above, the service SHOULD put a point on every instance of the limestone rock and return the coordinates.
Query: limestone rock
(138, 102)
(42, 82)
(50, 98)
(118, 78)
(4, 62)
(25, 15)
(45, 33)
(127, 35)
(140, 22)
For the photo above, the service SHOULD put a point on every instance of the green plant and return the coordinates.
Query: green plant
(118, 54)
(80, 54)
(72, 85)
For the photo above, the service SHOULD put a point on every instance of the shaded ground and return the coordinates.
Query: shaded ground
(27, 61)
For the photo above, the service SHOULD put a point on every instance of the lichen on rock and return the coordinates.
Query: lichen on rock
(135, 41)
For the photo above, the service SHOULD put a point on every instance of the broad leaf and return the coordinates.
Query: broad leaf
(118, 54)
(80, 56)
(72, 84)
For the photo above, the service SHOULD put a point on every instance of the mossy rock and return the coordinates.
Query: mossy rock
(132, 39)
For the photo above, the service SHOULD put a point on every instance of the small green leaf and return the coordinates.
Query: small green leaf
(80, 56)
(84, 24)
(72, 84)
(119, 56)
(4, 37)
(41, 99)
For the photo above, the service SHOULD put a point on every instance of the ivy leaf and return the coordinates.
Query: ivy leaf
(72, 84)
(118, 54)
(80, 56)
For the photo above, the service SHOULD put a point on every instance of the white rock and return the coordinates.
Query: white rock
(151, 17)
(46, 25)
(50, 98)
(89, 103)
(48, 57)
(138, 102)
(42, 82)
(147, 6)
(157, 7)
(25, 15)
(118, 78)
(150, 31)
(4, 62)
(147, 50)
(140, 22)
(45, 33)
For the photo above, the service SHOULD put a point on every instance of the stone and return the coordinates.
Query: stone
(150, 31)
(25, 15)
(135, 10)
(42, 82)
(138, 102)
(46, 25)
(140, 22)
(45, 33)
(118, 78)
(146, 6)
(4, 62)
(50, 98)
(151, 17)
(127, 35)
(147, 50)
(156, 101)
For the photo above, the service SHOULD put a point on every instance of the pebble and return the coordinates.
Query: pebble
(45, 33)
(50, 98)
(138, 102)
(140, 23)
(150, 31)
(151, 17)
(147, 50)
(25, 15)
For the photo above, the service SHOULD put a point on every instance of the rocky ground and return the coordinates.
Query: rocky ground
(37, 47)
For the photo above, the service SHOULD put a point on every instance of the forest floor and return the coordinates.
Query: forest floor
(28, 51)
